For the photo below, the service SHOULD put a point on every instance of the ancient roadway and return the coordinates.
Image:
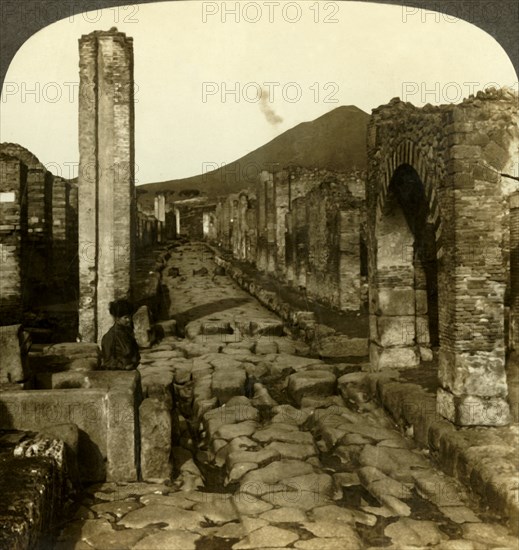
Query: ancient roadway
(290, 465)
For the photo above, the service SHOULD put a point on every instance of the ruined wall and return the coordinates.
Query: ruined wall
(47, 249)
(302, 226)
(457, 154)
(334, 219)
(13, 202)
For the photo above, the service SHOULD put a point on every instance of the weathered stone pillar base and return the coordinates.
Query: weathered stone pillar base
(393, 357)
(473, 389)
(472, 410)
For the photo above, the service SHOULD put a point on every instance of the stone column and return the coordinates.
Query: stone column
(107, 206)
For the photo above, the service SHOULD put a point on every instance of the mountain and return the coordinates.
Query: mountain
(335, 140)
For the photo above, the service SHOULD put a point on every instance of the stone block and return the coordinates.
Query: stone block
(12, 361)
(156, 437)
(422, 306)
(227, 383)
(471, 410)
(341, 345)
(142, 327)
(41, 410)
(396, 301)
(396, 331)
(393, 358)
(320, 383)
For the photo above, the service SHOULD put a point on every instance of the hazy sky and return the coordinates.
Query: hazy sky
(191, 56)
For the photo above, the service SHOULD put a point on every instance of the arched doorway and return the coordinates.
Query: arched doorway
(404, 301)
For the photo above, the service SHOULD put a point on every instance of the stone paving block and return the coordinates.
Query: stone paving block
(239, 470)
(320, 383)
(292, 450)
(156, 440)
(265, 537)
(247, 504)
(260, 458)
(276, 432)
(278, 471)
(411, 532)
(265, 346)
(228, 384)
(339, 345)
(230, 431)
(284, 515)
(328, 544)
(174, 518)
(224, 512)
(170, 540)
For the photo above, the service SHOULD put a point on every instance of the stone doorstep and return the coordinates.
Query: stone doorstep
(451, 451)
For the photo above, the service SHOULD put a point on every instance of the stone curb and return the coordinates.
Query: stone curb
(480, 459)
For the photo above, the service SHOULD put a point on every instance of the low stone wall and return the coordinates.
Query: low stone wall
(102, 404)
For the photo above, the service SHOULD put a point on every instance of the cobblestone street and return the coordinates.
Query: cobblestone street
(273, 448)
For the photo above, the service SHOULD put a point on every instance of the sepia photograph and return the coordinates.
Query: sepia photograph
(259, 275)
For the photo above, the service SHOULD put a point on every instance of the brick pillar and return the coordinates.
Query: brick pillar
(514, 271)
(107, 206)
(472, 378)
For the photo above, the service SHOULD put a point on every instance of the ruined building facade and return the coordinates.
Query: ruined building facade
(304, 227)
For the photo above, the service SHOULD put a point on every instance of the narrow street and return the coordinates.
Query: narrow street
(273, 448)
